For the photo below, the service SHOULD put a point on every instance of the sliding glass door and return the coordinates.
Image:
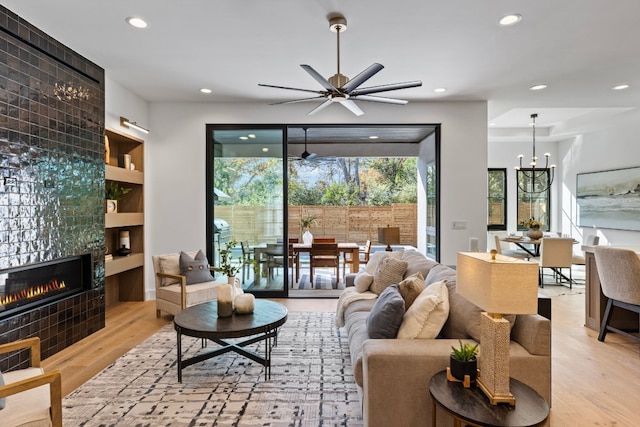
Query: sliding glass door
(246, 205)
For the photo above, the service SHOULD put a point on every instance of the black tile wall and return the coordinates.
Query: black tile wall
(51, 177)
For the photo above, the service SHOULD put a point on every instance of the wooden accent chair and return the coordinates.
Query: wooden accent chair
(324, 240)
(619, 271)
(33, 397)
(324, 255)
(556, 253)
(364, 253)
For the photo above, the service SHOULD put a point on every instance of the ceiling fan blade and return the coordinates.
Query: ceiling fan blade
(362, 77)
(372, 98)
(385, 88)
(319, 107)
(292, 88)
(352, 106)
(293, 101)
(318, 77)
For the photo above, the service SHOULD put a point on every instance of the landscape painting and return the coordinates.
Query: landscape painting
(609, 199)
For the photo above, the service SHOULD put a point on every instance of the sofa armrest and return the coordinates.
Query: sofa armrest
(533, 332)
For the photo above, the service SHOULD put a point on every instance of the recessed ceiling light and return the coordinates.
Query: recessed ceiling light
(510, 19)
(265, 149)
(620, 87)
(538, 87)
(205, 90)
(492, 124)
(244, 138)
(251, 136)
(137, 22)
(440, 89)
(373, 137)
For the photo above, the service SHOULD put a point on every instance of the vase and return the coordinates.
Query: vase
(236, 288)
(534, 234)
(461, 368)
(307, 237)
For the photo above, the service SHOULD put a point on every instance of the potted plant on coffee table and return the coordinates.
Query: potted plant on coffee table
(463, 364)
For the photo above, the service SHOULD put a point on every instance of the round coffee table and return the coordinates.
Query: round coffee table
(202, 321)
(470, 405)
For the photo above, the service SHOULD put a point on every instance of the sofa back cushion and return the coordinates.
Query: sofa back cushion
(417, 263)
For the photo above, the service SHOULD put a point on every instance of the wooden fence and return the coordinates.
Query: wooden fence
(358, 224)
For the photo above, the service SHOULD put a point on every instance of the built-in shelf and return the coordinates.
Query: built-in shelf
(124, 276)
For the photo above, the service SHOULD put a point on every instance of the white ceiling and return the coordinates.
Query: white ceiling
(579, 48)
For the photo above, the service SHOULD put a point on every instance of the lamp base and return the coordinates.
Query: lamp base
(388, 248)
(494, 399)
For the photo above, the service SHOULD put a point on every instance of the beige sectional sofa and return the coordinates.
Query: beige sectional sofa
(393, 374)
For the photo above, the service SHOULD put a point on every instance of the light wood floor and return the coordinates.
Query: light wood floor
(594, 383)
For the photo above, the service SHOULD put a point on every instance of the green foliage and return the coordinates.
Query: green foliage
(115, 191)
(307, 221)
(226, 260)
(465, 353)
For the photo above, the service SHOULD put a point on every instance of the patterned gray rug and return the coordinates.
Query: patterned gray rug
(311, 384)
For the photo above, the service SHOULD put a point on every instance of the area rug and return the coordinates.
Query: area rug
(320, 281)
(311, 383)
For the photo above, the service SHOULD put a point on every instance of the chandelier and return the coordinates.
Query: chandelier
(532, 174)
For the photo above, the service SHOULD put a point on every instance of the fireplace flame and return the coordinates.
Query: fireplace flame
(32, 292)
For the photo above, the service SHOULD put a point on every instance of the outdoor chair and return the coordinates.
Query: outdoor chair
(275, 258)
(247, 260)
(324, 240)
(324, 255)
(619, 271)
(32, 397)
(556, 253)
(364, 253)
(294, 259)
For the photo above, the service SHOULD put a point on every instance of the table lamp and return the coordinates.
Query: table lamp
(499, 285)
(389, 236)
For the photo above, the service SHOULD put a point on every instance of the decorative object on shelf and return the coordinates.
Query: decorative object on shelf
(108, 256)
(463, 364)
(107, 150)
(225, 301)
(126, 161)
(124, 248)
(389, 236)
(126, 123)
(132, 167)
(113, 193)
(533, 225)
(531, 174)
(306, 222)
(500, 285)
(244, 303)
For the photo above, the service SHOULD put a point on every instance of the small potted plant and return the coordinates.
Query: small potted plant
(113, 193)
(533, 225)
(464, 362)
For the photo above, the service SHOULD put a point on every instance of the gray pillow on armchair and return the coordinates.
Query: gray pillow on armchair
(196, 269)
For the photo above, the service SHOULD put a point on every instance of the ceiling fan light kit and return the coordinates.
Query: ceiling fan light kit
(339, 88)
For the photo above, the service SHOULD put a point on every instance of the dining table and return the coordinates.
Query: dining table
(530, 246)
(345, 247)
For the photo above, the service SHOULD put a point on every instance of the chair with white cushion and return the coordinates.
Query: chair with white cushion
(591, 240)
(29, 396)
(173, 290)
(556, 253)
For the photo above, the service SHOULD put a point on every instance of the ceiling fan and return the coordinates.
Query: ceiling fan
(306, 155)
(339, 88)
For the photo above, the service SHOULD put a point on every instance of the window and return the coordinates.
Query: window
(535, 203)
(497, 200)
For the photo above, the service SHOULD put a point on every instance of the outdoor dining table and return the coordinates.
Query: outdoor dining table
(343, 248)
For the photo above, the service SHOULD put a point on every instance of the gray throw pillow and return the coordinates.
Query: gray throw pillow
(386, 314)
(196, 270)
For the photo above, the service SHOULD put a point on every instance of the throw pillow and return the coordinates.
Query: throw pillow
(362, 281)
(410, 288)
(389, 272)
(196, 269)
(4, 399)
(386, 314)
(377, 257)
(425, 318)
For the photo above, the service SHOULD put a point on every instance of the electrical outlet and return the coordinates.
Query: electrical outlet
(459, 225)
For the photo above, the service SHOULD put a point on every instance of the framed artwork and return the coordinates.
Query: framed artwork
(609, 199)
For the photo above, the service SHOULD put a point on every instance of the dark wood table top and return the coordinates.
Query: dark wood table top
(471, 405)
(202, 321)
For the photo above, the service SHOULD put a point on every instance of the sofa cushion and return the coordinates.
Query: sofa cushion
(389, 272)
(427, 315)
(376, 258)
(410, 288)
(418, 263)
(196, 293)
(362, 281)
(195, 269)
(386, 315)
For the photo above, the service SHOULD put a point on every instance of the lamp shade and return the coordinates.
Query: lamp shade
(389, 235)
(504, 286)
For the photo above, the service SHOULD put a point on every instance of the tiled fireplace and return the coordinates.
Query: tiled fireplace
(51, 190)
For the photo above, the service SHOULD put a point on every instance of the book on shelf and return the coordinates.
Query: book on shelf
(108, 257)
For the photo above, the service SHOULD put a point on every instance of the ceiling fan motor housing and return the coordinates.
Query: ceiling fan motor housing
(338, 80)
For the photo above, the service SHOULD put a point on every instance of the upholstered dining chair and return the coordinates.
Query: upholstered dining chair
(556, 253)
(508, 252)
(619, 271)
(29, 396)
(324, 255)
(363, 253)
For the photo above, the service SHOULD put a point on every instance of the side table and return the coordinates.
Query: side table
(471, 406)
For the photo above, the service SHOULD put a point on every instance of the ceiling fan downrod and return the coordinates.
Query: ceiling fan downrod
(338, 24)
